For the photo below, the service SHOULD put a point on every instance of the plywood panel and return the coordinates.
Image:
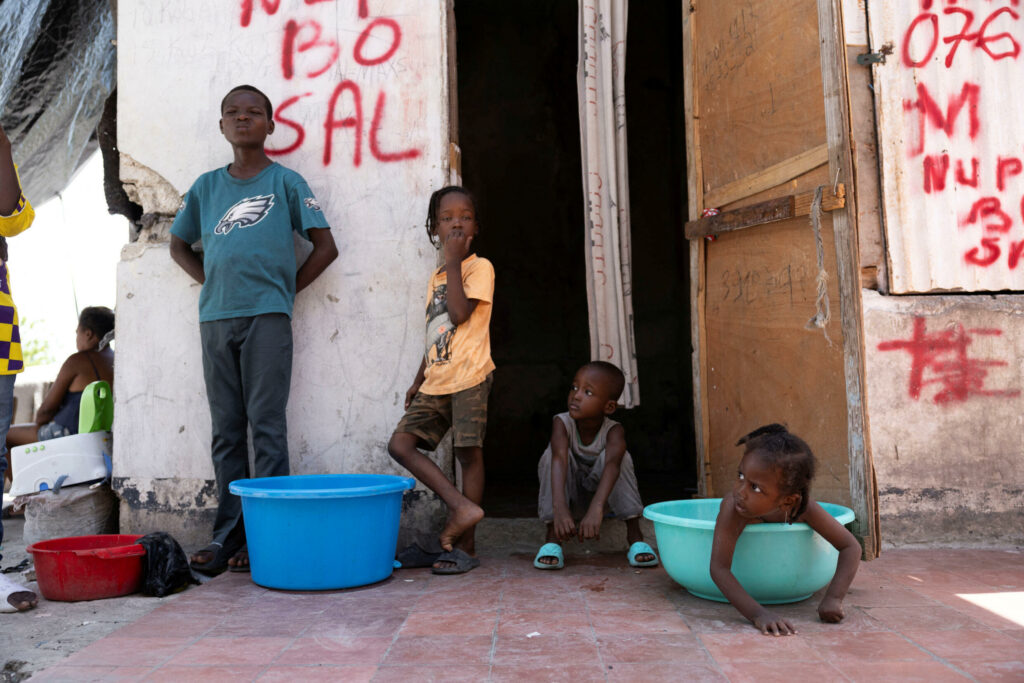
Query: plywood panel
(758, 74)
(763, 364)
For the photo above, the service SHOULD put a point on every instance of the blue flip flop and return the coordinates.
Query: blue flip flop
(549, 550)
(639, 548)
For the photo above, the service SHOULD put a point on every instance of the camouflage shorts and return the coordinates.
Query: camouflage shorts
(430, 417)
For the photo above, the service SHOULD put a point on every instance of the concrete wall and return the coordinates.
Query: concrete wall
(360, 91)
(945, 376)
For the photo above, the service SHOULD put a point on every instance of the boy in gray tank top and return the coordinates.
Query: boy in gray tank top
(587, 469)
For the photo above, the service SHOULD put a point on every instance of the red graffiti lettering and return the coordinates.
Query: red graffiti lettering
(935, 168)
(942, 358)
(269, 6)
(1016, 248)
(933, 40)
(925, 26)
(364, 9)
(300, 132)
(962, 178)
(956, 39)
(355, 122)
(396, 39)
(985, 208)
(1007, 166)
(931, 113)
(288, 49)
(992, 252)
(378, 115)
(983, 40)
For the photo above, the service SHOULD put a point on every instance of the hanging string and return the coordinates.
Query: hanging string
(823, 314)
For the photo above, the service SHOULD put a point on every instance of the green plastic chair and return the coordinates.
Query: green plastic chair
(96, 411)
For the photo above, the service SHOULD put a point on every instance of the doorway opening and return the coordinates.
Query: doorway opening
(520, 141)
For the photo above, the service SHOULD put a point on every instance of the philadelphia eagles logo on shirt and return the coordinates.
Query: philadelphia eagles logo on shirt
(311, 203)
(245, 214)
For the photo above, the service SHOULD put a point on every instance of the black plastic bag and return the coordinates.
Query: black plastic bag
(165, 567)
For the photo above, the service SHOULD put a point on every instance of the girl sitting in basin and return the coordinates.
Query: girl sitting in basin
(773, 485)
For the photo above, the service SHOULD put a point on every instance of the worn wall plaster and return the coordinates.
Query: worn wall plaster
(945, 380)
(358, 330)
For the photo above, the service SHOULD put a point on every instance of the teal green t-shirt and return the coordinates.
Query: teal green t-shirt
(246, 230)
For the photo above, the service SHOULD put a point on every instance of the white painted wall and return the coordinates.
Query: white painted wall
(359, 328)
(947, 448)
(931, 87)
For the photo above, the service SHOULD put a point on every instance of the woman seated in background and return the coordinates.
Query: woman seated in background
(58, 414)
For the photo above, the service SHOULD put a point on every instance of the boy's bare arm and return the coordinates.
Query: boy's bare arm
(614, 451)
(10, 191)
(456, 249)
(181, 252)
(324, 252)
(564, 526)
(416, 383)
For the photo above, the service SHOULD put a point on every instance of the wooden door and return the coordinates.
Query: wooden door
(768, 125)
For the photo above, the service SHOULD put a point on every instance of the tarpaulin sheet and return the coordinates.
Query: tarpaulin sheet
(58, 67)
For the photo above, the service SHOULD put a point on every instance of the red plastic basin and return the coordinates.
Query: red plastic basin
(88, 567)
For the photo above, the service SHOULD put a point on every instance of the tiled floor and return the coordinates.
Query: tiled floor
(913, 615)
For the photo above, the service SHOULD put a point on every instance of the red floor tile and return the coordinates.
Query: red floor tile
(968, 644)
(451, 673)
(585, 672)
(637, 621)
(450, 624)
(198, 674)
(732, 623)
(544, 650)
(994, 672)
(851, 648)
(756, 647)
(345, 651)
(515, 624)
(925, 617)
(436, 650)
(79, 673)
(648, 647)
(597, 619)
(879, 594)
(340, 625)
(777, 670)
(123, 651)
(903, 672)
(633, 672)
(290, 674)
(242, 651)
(159, 624)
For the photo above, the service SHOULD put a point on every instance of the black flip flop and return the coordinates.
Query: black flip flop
(215, 565)
(413, 556)
(244, 569)
(463, 562)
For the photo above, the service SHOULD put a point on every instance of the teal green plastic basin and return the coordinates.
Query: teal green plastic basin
(775, 563)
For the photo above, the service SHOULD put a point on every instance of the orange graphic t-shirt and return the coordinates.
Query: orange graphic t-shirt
(459, 356)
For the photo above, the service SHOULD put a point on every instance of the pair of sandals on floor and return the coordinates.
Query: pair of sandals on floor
(554, 550)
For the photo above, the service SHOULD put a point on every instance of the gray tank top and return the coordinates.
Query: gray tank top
(586, 453)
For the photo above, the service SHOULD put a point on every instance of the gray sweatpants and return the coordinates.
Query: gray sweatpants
(580, 483)
(247, 364)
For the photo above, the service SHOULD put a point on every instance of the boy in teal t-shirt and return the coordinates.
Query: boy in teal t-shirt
(244, 214)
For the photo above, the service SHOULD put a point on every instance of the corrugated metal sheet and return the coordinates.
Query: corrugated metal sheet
(951, 140)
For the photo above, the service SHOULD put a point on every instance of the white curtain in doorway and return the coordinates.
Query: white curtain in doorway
(600, 80)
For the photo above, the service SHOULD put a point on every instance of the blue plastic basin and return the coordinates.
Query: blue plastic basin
(775, 563)
(321, 531)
